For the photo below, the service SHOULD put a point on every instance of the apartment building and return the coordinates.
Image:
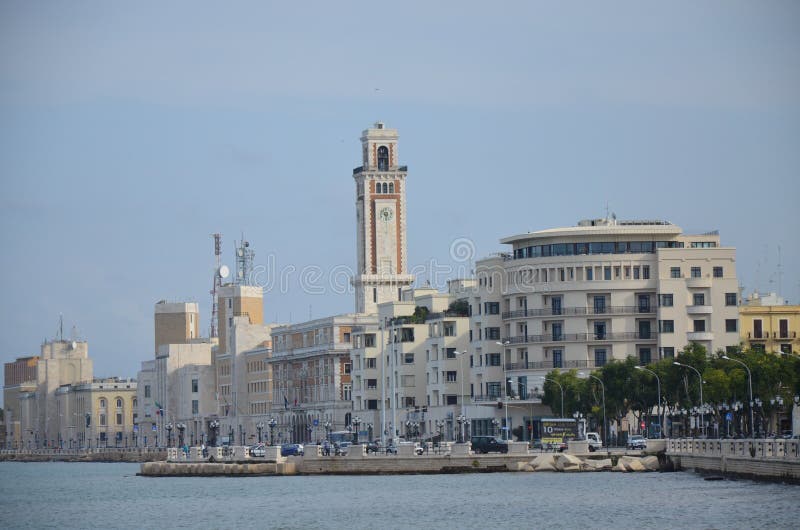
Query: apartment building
(769, 324)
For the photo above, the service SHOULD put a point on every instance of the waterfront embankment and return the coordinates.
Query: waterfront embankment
(84, 455)
(758, 459)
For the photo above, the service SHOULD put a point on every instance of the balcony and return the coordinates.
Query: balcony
(694, 336)
(582, 337)
(698, 283)
(699, 309)
(581, 311)
(752, 335)
(548, 365)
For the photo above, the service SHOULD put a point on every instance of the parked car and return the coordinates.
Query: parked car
(637, 441)
(292, 450)
(258, 450)
(418, 449)
(594, 440)
(488, 444)
(341, 448)
(537, 444)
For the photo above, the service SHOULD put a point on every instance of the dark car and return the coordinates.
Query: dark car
(374, 447)
(292, 450)
(488, 444)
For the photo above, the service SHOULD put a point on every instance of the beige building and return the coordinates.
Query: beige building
(101, 413)
(19, 378)
(312, 382)
(768, 324)
(175, 323)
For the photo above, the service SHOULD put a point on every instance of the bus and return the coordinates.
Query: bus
(341, 436)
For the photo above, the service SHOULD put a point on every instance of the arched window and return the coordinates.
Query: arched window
(135, 403)
(119, 403)
(385, 188)
(102, 403)
(391, 187)
(383, 158)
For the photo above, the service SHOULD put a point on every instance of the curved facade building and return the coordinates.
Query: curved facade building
(578, 297)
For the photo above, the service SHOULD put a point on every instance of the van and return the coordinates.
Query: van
(488, 444)
(594, 440)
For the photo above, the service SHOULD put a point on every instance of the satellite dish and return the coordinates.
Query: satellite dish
(224, 271)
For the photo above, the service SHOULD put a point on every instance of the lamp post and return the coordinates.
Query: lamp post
(231, 440)
(259, 428)
(272, 423)
(214, 425)
(461, 355)
(702, 417)
(660, 410)
(181, 428)
(495, 425)
(356, 422)
(439, 428)
(461, 419)
(579, 421)
(603, 386)
(750, 388)
(562, 392)
(168, 427)
(327, 426)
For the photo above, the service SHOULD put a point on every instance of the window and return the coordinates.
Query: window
(407, 335)
(668, 352)
(102, 403)
(119, 403)
(557, 335)
(493, 390)
(450, 399)
(195, 385)
(408, 358)
(449, 329)
(730, 299)
(696, 272)
(589, 274)
(147, 391)
(494, 359)
(636, 273)
(102, 420)
(644, 303)
(371, 362)
(383, 159)
(644, 356)
(599, 330)
(698, 299)
(731, 325)
(665, 300)
(675, 272)
(119, 418)
(369, 340)
(391, 187)
(666, 326)
(348, 367)
(783, 328)
(345, 337)
(557, 360)
(372, 404)
(786, 348)
(451, 376)
(699, 325)
(717, 272)
(450, 353)
(372, 384)
(600, 357)
(347, 392)
(606, 273)
(645, 272)
(493, 333)
(492, 308)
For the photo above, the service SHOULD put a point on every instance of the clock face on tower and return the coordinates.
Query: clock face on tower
(386, 214)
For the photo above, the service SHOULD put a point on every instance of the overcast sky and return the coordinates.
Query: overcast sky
(129, 132)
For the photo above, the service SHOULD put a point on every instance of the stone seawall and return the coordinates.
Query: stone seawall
(83, 456)
(772, 460)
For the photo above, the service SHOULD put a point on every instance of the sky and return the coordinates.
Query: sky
(130, 132)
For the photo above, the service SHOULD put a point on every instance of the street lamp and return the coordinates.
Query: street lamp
(168, 427)
(214, 425)
(440, 428)
(356, 422)
(461, 355)
(605, 427)
(259, 428)
(702, 417)
(495, 425)
(327, 426)
(272, 423)
(750, 388)
(660, 410)
(461, 419)
(578, 420)
(562, 392)
(181, 427)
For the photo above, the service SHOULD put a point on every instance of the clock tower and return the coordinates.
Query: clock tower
(380, 221)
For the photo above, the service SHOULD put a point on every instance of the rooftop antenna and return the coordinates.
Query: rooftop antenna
(244, 262)
(61, 327)
(220, 272)
(780, 272)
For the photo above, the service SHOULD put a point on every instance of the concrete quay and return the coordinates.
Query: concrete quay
(757, 459)
(110, 454)
(454, 458)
